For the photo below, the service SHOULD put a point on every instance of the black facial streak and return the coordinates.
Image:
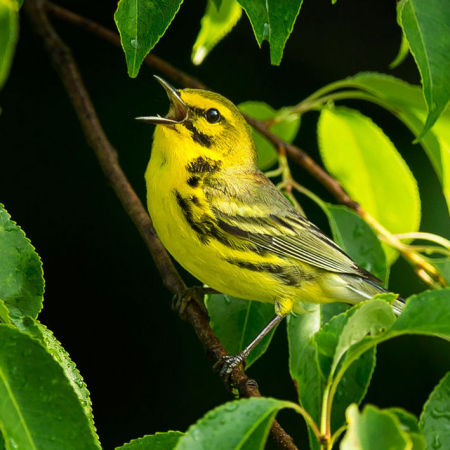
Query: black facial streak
(197, 111)
(195, 200)
(198, 136)
(286, 275)
(193, 181)
(203, 165)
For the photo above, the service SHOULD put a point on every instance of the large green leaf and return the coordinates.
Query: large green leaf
(272, 21)
(406, 102)
(46, 337)
(435, 418)
(237, 322)
(374, 429)
(242, 424)
(286, 127)
(215, 25)
(358, 240)
(9, 32)
(141, 23)
(427, 313)
(378, 178)
(21, 278)
(370, 319)
(157, 441)
(426, 25)
(39, 408)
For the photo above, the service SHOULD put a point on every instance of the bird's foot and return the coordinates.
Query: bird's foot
(227, 364)
(181, 300)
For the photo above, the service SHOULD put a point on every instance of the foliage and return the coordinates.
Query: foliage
(332, 349)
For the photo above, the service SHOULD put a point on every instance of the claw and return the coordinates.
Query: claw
(182, 299)
(227, 364)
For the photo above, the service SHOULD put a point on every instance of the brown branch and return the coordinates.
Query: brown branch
(63, 61)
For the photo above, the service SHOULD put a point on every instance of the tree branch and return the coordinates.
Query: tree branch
(63, 61)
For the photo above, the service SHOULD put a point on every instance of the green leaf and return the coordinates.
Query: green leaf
(234, 425)
(9, 33)
(427, 313)
(409, 421)
(39, 408)
(370, 319)
(272, 21)
(215, 25)
(346, 135)
(21, 277)
(374, 429)
(46, 337)
(157, 441)
(435, 417)
(403, 52)
(426, 25)
(237, 322)
(358, 240)
(406, 102)
(141, 24)
(310, 338)
(284, 125)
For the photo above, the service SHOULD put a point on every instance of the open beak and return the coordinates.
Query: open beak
(178, 110)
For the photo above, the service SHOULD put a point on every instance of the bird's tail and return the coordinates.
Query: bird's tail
(367, 289)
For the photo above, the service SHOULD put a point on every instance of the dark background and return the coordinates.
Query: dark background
(104, 300)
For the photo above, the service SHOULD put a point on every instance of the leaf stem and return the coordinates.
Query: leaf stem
(325, 417)
(422, 267)
(425, 237)
(307, 105)
(337, 434)
(310, 421)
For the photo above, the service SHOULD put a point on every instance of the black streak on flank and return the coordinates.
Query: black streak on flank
(199, 137)
(187, 212)
(286, 275)
(203, 165)
(193, 181)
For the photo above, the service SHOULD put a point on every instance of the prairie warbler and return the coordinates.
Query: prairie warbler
(228, 225)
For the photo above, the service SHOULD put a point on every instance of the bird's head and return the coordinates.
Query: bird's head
(203, 124)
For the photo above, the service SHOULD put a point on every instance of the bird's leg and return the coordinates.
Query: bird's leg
(195, 293)
(228, 363)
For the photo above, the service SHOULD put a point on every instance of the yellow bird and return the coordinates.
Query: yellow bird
(225, 222)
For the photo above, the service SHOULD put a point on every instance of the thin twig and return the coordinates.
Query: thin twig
(62, 59)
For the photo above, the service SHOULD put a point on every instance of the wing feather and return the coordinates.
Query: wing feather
(251, 208)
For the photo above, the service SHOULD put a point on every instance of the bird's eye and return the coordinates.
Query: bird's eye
(212, 115)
